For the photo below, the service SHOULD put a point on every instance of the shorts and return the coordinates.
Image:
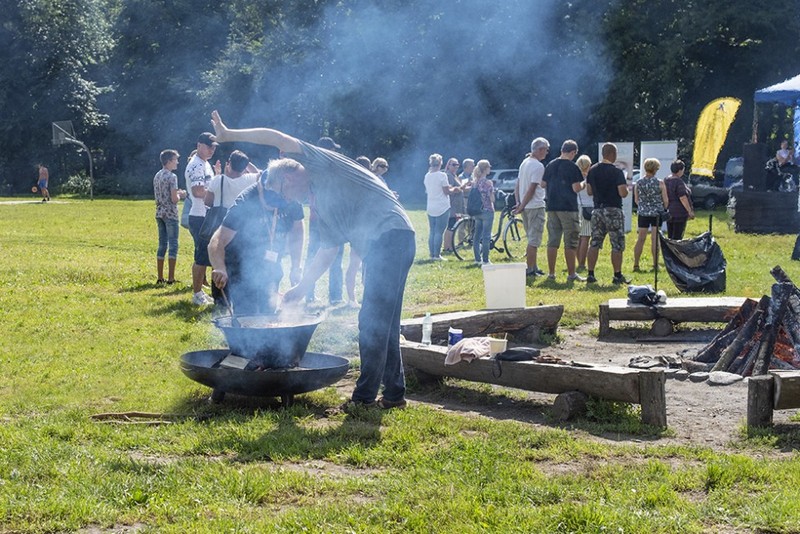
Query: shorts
(200, 244)
(42, 184)
(646, 221)
(533, 221)
(566, 223)
(609, 221)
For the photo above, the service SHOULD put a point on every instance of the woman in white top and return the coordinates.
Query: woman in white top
(438, 207)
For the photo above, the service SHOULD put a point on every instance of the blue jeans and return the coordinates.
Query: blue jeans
(386, 268)
(482, 238)
(437, 227)
(167, 237)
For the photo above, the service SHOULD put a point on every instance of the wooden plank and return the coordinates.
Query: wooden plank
(759, 401)
(606, 382)
(786, 389)
(710, 309)
(653, 398)
(605, 320)
(525, 324)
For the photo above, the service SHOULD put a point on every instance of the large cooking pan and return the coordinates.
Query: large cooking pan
(314, 371)
(269, 340)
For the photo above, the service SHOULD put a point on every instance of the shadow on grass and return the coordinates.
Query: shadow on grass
(185, 310)
(609, 420)
(177, 287)
(306, 429)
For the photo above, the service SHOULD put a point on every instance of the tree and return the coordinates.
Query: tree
(53, 50)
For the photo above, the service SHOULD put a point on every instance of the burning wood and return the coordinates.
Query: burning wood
(762, 335)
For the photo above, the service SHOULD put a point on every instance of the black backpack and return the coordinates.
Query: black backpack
(474, 202)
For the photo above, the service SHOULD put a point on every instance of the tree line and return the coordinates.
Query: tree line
(399, 79)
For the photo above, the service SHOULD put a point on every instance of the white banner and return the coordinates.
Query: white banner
(664, 151)
(625, 163)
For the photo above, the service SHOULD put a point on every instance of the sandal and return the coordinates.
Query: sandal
(388, 405)
(170, 282)
(160, 282)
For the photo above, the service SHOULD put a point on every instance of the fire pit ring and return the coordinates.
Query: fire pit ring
(313, 372)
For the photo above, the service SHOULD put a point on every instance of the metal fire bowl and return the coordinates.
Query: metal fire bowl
(314, 371)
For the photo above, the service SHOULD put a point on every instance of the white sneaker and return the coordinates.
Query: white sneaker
(201, 299)
(576, 278)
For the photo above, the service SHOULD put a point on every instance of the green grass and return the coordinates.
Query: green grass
(86, 331)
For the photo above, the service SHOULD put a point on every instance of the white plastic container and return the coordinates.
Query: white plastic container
(497, 346)
(505, 285)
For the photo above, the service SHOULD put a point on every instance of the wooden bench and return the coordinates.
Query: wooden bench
(777, 390)
(524, 324)
(676, 310)
(623, 384)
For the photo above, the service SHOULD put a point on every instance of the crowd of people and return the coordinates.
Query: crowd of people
(579, 203)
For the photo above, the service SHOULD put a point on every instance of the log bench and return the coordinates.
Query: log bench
(675, 310)
(777, 390)
(623, 384)
(524, 324)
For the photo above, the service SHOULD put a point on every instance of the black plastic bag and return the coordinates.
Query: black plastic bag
(695, 265)
(642, 295)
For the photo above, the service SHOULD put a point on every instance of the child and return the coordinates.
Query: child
(167, 194)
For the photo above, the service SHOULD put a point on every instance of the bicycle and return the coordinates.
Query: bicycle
(509, 226)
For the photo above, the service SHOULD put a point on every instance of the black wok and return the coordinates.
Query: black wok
(269, 340)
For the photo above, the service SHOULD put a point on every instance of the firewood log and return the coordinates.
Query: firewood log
(744, 357)
(780, 300)
(746, 332)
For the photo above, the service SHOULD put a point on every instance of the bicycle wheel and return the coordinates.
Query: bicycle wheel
(515, 241)
(462, 238)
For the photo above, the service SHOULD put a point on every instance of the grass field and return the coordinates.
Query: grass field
(86, 331)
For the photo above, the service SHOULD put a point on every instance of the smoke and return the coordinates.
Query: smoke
(462, 79)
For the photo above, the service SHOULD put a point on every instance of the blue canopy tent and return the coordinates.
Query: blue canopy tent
(786, 93)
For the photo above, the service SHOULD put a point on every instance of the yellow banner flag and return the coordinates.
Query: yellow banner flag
(712, 129)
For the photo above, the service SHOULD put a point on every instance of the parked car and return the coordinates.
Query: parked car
(504, 180)
(706, 194)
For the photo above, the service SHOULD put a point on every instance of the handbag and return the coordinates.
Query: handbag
(214, 215)
(587, 213)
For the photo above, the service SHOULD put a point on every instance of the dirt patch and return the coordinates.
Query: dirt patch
(697, 413)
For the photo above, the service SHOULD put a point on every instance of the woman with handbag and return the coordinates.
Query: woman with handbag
(650, 196)
(680, 206)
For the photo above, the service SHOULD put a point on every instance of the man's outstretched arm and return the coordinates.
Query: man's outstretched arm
(259, 136)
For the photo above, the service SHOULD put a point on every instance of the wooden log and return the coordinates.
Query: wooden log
(605, 382)
(652, 394)
(744, 335)
(524, 324)
(569, 405)
(744, 361)
(604, 319)
(780, 299)
(786, 389)
(661, 327)
(711, 352)
(760, 401)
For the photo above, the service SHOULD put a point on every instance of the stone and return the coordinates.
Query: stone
(644, 362)
(694, 367)
(721, 378)
(682, 374)
(700, 376)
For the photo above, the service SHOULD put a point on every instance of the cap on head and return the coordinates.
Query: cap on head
(207, 138)
(328, 143)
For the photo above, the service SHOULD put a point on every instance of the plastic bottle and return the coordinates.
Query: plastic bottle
(427, 329)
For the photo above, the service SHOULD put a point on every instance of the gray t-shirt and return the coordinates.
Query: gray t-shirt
(352, 204)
